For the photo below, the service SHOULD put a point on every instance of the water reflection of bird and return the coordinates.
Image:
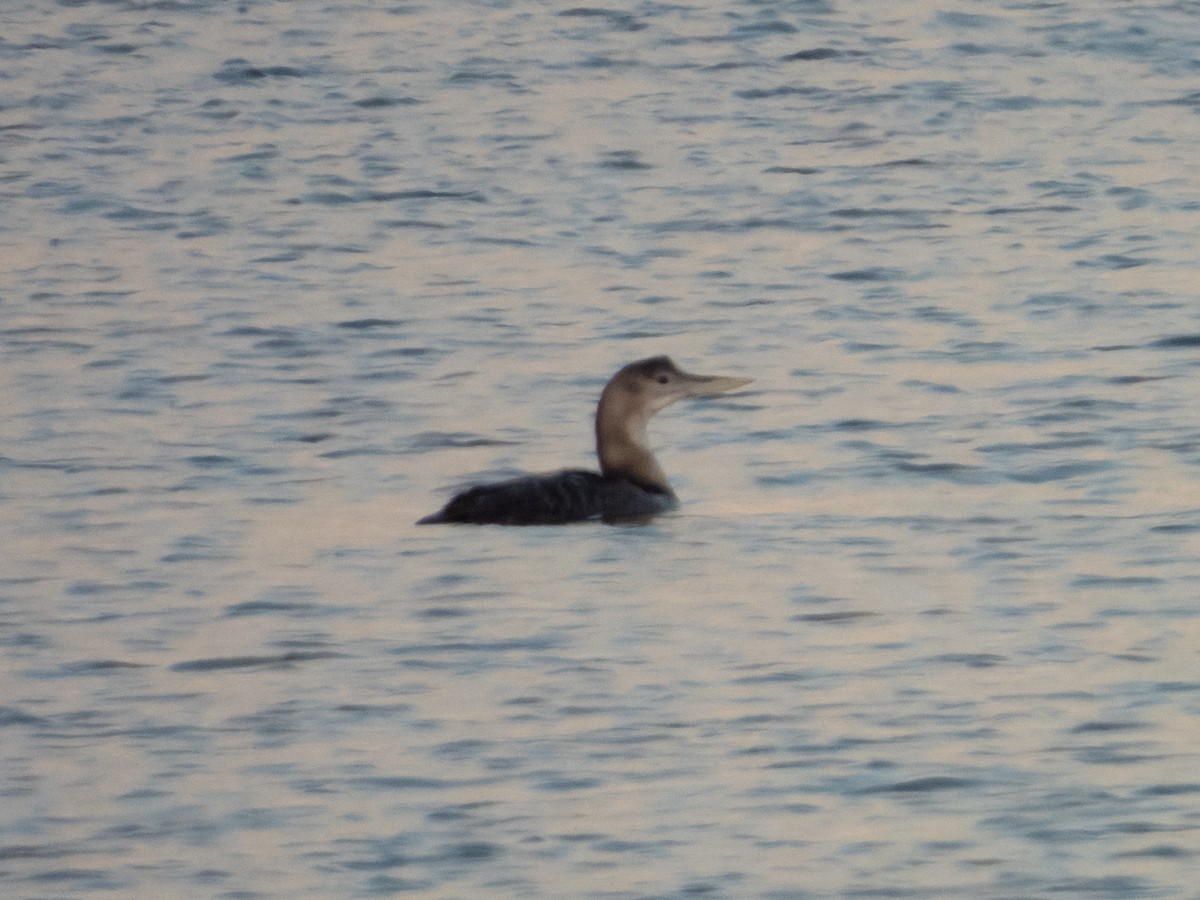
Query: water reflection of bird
(630, 486)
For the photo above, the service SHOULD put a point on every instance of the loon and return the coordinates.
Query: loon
(630, 486)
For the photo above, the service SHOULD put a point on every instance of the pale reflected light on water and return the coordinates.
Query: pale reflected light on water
(279, 278)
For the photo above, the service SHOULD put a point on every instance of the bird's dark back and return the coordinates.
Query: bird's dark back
(572, 495)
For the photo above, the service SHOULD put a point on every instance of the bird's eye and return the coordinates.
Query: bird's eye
(663, 379)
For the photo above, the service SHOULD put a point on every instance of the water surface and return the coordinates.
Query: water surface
(279, 277)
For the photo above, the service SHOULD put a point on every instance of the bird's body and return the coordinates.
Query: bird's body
(572, 495)
(630, 486)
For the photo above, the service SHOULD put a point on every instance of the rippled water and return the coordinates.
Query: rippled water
(278, 277)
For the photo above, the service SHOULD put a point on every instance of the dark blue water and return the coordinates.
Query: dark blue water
(279, 277)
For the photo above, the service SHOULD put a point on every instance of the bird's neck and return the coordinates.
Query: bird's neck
(623, 444)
